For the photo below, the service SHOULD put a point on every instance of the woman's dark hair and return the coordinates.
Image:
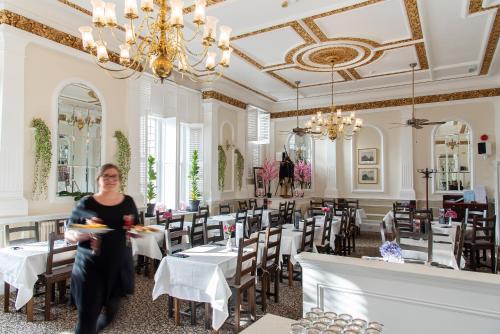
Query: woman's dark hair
(106, 167)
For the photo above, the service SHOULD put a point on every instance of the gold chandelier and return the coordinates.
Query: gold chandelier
(333, 125)
(159, 40)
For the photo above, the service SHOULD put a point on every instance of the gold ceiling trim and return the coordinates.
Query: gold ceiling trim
(439, 98)
(191, 9)
(414, 19)
(344, 75)
(246, 57)
(354, 73)
(280, 78)
(75, 6)
(309, 21)
(212, 94)
(422, 56)
(476, 6)
(250, 89)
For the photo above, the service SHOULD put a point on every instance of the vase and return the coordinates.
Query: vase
(229, 244)
(449, 220)
(150, 210)
(194, 205)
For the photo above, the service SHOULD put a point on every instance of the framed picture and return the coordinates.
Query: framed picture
(368, 175)
(367, 156)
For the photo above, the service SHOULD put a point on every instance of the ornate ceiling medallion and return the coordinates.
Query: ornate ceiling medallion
(336, 55)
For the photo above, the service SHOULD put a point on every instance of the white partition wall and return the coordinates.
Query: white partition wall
(406, 298)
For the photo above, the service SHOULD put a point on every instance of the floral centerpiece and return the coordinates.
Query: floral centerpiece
(391, 252)
(325, 210)
(302, 173)
(450, 214)
(228, 231)
(268, 173)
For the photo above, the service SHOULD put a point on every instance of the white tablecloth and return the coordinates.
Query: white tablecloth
(201, 277)
(320, 220)
(21, 267)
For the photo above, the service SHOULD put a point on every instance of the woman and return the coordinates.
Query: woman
(103, 269)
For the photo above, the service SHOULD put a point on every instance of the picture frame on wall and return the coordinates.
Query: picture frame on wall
(367, 156)
(368, 175)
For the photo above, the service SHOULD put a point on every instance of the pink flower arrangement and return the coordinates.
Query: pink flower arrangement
(269, 172)
(229, 229)
(325, 209)
(450, 214)
(302, 172)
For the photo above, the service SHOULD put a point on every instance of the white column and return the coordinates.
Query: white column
(12, 124)
(331, 190)
(407, 168)
(210, 147)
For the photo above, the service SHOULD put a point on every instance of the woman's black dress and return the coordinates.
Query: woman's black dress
(101, 278)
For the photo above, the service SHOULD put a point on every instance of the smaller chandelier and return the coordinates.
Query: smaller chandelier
(157, 40)
(333, 125)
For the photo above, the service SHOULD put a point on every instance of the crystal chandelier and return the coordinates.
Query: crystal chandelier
(333, 125)
(158, 42)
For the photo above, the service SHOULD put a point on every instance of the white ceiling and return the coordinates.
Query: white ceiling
(443, 38)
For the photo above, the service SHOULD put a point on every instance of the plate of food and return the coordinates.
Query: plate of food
(141, 229)
(90, 228)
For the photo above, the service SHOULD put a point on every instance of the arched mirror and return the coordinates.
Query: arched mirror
(452, 157)
(78, 140)
(300, 149)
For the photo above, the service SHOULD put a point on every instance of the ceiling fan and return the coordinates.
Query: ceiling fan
(416, 123)
(297, 130)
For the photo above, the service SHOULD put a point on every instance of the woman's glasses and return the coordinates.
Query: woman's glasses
(107, 177)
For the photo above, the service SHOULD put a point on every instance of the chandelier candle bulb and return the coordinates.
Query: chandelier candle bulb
(102, 53)
(98, 17)
(339, 113)
(87, 38)
(147, 5)
(209, 34)
(225, 33)
(176, 18)
(125, 54)
(199, 12)
(226, 57)
(130, 11)
(129, 34)
(210, 64)
(110, 15)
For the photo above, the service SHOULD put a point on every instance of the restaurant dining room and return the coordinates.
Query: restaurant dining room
(263, 166)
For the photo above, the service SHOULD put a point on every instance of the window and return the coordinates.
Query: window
(191, 139)
(258, 128)
(452, 157)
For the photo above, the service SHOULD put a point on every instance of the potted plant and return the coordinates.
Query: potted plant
(268, 173)
(151, 186)
(194, 178)
(302, 174)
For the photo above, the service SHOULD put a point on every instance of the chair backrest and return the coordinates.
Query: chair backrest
(282, 210)
(344, 223)
(459, 242)
(204, 209)
(252, 203)
(247, 258)
(224, 209)
(353, 203)
(271, 254)
(328, 202)
(471, 214)
(175, 224)
(31, 228)
(339, 207)
(253, 225)
(241, 218)
(160, 219)
(352, 218)
(308, 235)
(51, 262)
(275, 219)
(213, 232)
(483, 229)
(61, 226)
(327, 230)
(313, 211)
(430, 240)
(259, 212)
(383, 230)
(171, 237)
(243, 205)
(290, 209)
(197, 229)
(403, 218)
(316, 203)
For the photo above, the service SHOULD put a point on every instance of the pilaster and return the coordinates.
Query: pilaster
(331, 190)
(210, 147)
(407, 168)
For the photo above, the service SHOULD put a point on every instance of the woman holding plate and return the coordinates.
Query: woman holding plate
(103, 270)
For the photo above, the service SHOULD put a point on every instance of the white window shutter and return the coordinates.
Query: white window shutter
(252, 125)
(264, 127)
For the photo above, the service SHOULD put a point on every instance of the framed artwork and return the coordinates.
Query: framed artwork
(368, 175)
(367, 156)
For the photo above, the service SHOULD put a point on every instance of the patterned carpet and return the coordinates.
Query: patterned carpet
(140, 314)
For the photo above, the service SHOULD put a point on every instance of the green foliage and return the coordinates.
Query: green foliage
(43, 158)
(123, 157)
(194, 177)
(77, 195)
(222, 167)
(240, 165)
(151, 186)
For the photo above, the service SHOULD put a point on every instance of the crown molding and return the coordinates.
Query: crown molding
(212, 94)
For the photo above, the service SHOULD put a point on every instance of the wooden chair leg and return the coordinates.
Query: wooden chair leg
(177, 312)
(493, 260)
(29, 310)
(193, 312)
(48, 299)
(263, 293)
(290, 272)
(237, 305)
(6, 296)
(276, 288)
(170, 307)
(251, 301)
(61, 286)
(208, 316)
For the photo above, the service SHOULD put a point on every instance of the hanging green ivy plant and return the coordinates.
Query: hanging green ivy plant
(123, 157)
(240, 165)
(43, 158)
(222, 167)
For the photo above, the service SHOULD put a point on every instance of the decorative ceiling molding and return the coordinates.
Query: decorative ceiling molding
(476, 6)
(250, 89)
(439, 98)
(212, 94)
(75, 6)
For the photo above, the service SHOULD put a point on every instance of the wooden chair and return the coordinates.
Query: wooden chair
(328, 203)
(244, 280)
(483, 238)
(275, 219)
(339, 207)
(471, 214)
(316, 203)
(241, 218)
(19, 229)
(351, 230)
(306, 245)
(252, 203)
(269, 268)
(197, 229)
(253, 226)
(325, 246)
(401, 234)
(175, 225)
(341, 238)
(282, 211)
(353, 203)
(58, 271)
(243, 205)
(403, 218)
(171, 237)
(290, 209)
(204, 209)
(258, 212)
(459, 242)
(61, 226)
(218, 230)
(224, 209)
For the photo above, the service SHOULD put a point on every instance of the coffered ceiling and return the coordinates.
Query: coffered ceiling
(372, 42)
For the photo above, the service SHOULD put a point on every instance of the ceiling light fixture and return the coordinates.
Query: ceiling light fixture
(159, 40)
